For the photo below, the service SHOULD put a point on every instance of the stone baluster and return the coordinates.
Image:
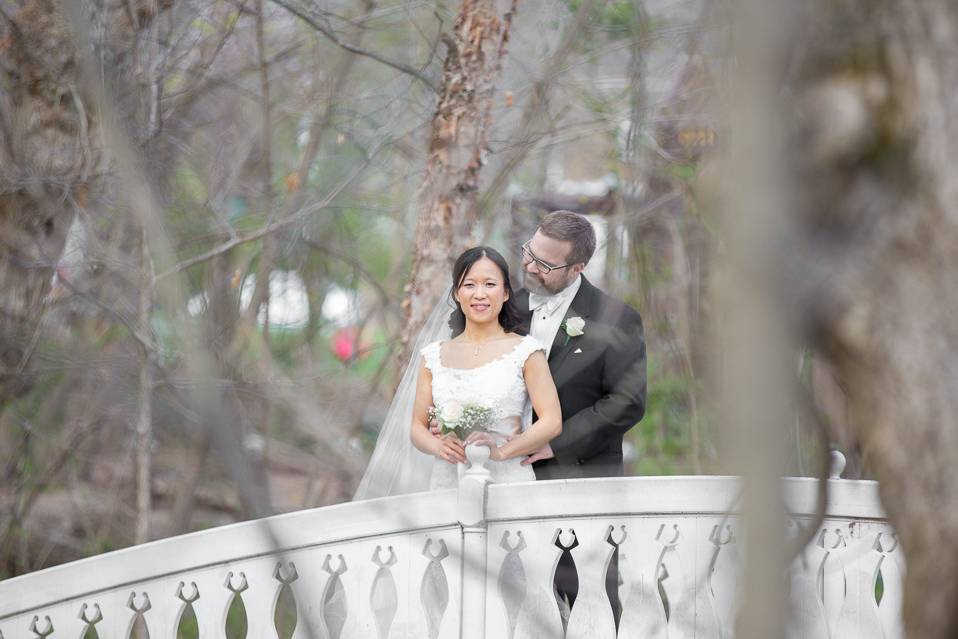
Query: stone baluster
(591, 616)
(472, 518)
(806, 618)
(215, 597)
(892, 571)
(643, 614)
(860, 560)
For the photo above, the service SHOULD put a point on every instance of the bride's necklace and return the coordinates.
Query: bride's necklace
(477, 346)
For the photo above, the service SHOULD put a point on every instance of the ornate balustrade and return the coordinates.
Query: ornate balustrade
(480, 562)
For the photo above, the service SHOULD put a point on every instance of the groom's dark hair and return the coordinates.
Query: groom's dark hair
(509, 317)
(576, 229)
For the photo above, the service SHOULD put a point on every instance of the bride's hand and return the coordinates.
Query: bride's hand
(449, 448)
(485, 439)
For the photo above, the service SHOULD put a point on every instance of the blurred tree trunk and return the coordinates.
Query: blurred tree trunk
(50, 154)
(875, 159)
(260, 296)
(754, 329)
(447, 200)
(144, 422)
(313, 280)
(45, 135)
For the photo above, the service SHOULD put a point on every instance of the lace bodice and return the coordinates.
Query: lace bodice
(498, 384)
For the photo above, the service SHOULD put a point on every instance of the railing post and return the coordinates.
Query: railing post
(472, 518)
(837, 464)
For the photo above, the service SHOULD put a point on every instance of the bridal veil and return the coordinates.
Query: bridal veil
(396, 466)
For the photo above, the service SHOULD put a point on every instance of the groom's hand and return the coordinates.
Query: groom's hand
(543, 453)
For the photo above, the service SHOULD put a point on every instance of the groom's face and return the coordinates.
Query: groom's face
(551, 252)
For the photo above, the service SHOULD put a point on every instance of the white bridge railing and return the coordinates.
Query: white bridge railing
(480, 562)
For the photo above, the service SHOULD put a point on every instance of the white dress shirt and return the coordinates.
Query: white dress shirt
(548, 312)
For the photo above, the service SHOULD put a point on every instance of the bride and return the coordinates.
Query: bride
(484, 366)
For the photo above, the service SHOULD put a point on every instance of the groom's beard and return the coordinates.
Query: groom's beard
(534, 283)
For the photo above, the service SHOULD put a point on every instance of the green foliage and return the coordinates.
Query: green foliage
(284, 617)
(616, 16)
(685, 171)
(236, 621)
(663, 438)
(164, 338)
(600, 105)
(189, 187)
(35, 419)
(102, 544)
(188, 628)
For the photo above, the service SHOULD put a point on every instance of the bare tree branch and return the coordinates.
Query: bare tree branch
(314, 17)
(535, 122)
(260, 296)
(270, 228)
(355, 264)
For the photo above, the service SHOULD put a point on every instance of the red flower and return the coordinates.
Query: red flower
(345, 343)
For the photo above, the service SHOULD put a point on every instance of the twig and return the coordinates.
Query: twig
(312, 17)
(355, 264)
(268, 229)
(260, 296)
(144, 341)
(530, 130)
(83, 136)
(71, 441)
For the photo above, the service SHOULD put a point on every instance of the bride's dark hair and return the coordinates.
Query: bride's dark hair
(509, 317)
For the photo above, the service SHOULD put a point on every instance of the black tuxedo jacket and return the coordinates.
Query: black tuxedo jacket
(601, 378)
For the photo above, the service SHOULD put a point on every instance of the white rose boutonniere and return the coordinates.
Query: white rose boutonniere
(573, 327)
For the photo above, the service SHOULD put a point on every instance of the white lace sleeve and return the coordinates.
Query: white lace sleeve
(527, 347)
(430, 353)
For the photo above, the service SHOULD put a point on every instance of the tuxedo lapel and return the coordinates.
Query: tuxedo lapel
(581, 306)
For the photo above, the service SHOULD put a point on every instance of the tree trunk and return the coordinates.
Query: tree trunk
(754, 330)
(876, 160)
(185, 495)
(49, 154)
(448, 197)
(260, 297)
(144, 423)
(44, 135)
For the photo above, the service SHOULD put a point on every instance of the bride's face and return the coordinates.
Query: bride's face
(482, 292)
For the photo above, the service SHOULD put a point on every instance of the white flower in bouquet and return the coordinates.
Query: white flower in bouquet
(452, 412)
(463, 419)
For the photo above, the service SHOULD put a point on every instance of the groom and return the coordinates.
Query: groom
(595, 347)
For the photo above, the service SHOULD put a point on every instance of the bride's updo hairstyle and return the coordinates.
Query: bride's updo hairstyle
(509, 317)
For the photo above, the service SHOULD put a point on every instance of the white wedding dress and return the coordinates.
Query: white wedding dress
(497, 384)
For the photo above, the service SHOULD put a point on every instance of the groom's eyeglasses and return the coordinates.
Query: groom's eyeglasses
(543, 267)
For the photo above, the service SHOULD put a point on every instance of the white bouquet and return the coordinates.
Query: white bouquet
(462, 419)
